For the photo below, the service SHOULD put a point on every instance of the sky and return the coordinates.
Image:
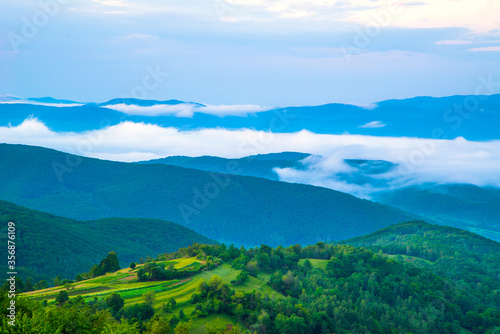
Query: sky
(247, 52)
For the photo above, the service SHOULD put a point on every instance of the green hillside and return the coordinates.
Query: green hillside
(233, 209)
(464, 206)
(261, 165)
(324, 288)
(470, 262)
(49, 245)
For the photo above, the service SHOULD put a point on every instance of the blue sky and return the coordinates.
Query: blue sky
(279, 53)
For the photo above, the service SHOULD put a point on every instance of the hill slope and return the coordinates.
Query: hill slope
(232, 209)
(255, 165)
(315, 289)
(49, 245)
(464, 206)
(465, 258)
(460, 205)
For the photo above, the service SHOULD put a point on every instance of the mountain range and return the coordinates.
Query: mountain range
(235, 209)
(465, 206)
(472, 117)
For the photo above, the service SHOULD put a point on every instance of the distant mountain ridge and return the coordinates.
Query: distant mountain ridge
(464, 206)
(144, 103)
(261, 165)
(415, 117)
(229, 208)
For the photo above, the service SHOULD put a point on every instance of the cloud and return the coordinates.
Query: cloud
(139, 36)
(486, 49)
(467, 42)
(179, 110)
(232, 110)
(188, 109)
(473, 15)
(367, 106)
(112, 3)
(477, 17)
(373, 125)
(414, 161)
(454, 42)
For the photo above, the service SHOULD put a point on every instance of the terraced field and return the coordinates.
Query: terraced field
(125, 283)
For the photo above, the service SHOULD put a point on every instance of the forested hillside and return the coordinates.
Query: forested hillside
(49, 245)
(323, 288)
(469, 261)
(465, 206)
(228, 208)
(261, 165)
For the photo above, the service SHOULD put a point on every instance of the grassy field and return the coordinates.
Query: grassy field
(124, 282)
(199, 324)
(316, 263)
(410, 259)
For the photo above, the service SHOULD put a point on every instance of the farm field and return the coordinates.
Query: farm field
(126, 284)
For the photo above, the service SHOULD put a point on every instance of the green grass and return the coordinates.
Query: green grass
(124, 282)
(199, 324)
(316, 263)
(410, 259)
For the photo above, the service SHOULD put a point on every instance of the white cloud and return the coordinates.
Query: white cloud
(486, 49)
(466, 42)
(139, 36)
(454, 42)
(179, 110)
(112, 3)
(477, 16)
(188, 109)
(373, 125)
(418, 160)
(232, 110)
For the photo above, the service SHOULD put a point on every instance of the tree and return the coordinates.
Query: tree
(240, 311)
(41, 285)
(264, 261)
(149, 298)
(57, 280)
(115, 302)
(141, 312)
(78, 300)
(253, 268)
(62, 297)
(29, 285)
(109, 264)
(141, 275)
(132, 265)
(214, 282)
(172, 302)
(158, 325)
(183, 327)
(307, 265)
